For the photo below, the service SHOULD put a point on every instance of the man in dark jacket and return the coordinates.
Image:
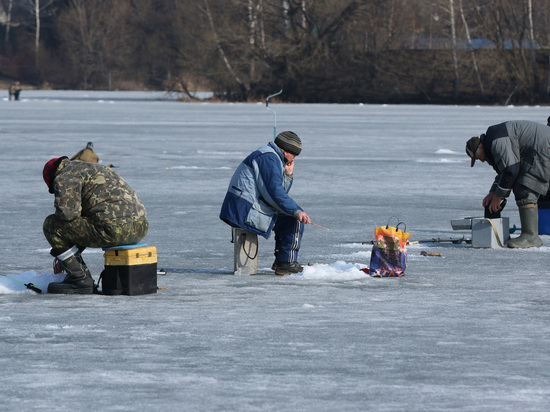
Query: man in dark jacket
(94, 207)
(519, 152)
(14, 91)
(257, 199)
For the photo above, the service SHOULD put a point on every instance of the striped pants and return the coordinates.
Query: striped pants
(288, 238)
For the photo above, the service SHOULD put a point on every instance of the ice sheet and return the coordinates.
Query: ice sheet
(465, 331)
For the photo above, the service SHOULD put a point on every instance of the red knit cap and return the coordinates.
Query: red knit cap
(49, 171)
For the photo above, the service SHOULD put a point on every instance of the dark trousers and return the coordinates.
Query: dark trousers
(524, 196)
(84, 232)
(288, 238)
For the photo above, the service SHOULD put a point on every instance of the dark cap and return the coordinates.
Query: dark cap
(289, 142)
(471, 148)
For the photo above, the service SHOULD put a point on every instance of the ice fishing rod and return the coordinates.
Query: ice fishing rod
(322, 227)
(28, 285)
(274, 112)
(432, 240)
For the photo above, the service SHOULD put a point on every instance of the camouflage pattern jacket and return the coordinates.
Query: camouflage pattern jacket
(94, 191)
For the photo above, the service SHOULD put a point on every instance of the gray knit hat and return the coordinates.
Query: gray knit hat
(289, 142)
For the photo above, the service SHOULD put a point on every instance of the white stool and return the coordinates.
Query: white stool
(246, 252)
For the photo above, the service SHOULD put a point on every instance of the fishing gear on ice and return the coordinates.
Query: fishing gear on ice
(28, 285)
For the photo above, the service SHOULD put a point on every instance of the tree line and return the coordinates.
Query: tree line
(391, 51)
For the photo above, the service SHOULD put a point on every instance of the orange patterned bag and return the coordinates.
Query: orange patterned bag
(389, 253)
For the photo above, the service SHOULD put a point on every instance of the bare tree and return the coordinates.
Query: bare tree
(454, 48)
(286, 15)
(506, 23)
(257, 30)
(532, 45)
(228, 65)
(36, 7)
(5, 19)
(97, 38)
(318, 50)
(468, 37)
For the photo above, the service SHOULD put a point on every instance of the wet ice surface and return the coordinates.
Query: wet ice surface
(465, 331)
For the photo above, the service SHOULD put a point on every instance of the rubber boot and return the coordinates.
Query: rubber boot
(78, 280)
(529, 217)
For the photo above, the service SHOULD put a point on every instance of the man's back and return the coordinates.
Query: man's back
(92, 190)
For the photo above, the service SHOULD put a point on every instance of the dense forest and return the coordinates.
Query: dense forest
(394, 51)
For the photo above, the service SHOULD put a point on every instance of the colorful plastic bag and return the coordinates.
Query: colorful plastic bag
(389, 253)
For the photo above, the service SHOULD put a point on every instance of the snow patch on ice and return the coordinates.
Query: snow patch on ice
(354, 245)
(335, 271)
(10, 285)
(446, 151)
(219, 153)
(443, 160)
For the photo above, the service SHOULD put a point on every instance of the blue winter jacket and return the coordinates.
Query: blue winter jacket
(258, 191)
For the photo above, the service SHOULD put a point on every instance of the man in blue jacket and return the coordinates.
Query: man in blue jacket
(519, 152)
(257, 199)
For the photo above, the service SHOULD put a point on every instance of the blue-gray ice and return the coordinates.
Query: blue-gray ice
(468, 331)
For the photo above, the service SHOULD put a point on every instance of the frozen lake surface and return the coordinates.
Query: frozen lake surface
(468, 331)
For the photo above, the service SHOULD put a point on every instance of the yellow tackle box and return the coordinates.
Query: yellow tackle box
(140, 255)
(130, 270)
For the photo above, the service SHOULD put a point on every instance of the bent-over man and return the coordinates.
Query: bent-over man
(519, 152)
(94, 207)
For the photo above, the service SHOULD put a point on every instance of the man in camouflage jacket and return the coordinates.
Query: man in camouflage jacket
(94, 207)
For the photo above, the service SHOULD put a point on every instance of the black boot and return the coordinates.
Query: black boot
(287, 268)
(78, 280)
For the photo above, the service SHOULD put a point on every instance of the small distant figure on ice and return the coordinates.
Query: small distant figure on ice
(257, 200)
(14, 90)
(94, 207)
(519, 151)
